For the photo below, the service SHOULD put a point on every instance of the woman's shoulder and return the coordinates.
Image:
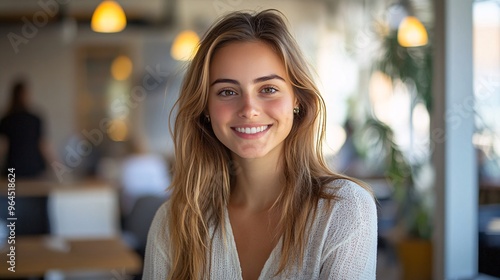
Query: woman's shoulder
(161, 216)
(158, 231)
(347, 231)
(350, 195)
(159, 226)
(345, 188)
(157, 259)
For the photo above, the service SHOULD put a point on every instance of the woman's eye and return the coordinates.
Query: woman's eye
(269, 90)
(227, 92)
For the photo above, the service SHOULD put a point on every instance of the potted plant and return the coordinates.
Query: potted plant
(412, 234)
(410, 65)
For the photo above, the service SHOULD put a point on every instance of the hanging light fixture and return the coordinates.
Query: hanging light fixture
(185, 45)
(121, 68)
(108, 17)
(412, 33)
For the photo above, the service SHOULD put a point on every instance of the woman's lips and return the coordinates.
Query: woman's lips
(251, 131)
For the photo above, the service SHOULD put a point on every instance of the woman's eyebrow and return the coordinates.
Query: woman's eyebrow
(228, 81)
(257, 80)
(267, 78)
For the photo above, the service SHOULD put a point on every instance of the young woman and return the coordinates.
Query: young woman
(252, 197)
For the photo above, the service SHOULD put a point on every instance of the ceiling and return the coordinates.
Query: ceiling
(137, 11)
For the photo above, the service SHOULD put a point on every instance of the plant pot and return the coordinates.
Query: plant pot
(415, 256)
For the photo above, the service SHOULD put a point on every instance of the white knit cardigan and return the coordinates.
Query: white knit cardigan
(342, 243)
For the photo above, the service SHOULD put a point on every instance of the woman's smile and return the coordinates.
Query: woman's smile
(251, 132)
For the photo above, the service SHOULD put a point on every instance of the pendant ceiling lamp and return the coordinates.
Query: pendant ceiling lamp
(108, 17)
(412, 33)
(185, 45)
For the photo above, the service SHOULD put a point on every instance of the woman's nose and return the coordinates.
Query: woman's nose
(249, 107)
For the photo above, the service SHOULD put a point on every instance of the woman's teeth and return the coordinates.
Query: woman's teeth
(251, 130)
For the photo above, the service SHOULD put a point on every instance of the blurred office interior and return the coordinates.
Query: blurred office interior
(412, 90)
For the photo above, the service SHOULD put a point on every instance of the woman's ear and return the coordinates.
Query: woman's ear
(296, 102)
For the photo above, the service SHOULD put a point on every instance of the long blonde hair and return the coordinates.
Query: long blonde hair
(202, 169)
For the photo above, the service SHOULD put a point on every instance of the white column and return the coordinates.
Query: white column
(455, 239)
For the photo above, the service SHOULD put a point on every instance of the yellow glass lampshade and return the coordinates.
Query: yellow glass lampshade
(185, 45)
(108, 17)
(412, 33)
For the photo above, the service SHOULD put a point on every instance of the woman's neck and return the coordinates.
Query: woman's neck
(258, 183)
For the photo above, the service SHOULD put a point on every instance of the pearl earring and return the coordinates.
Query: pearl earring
(296, 110)
(208, 118)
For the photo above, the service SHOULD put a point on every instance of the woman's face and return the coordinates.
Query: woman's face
(251, 99)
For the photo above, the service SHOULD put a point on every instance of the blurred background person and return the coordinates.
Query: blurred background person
(24, 148)
(22, 132)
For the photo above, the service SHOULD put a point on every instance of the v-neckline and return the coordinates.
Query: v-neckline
(234, 250)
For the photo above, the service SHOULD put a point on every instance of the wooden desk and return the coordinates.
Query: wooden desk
(34, 258)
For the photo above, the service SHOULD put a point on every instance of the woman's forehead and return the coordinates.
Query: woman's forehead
(246, 59)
